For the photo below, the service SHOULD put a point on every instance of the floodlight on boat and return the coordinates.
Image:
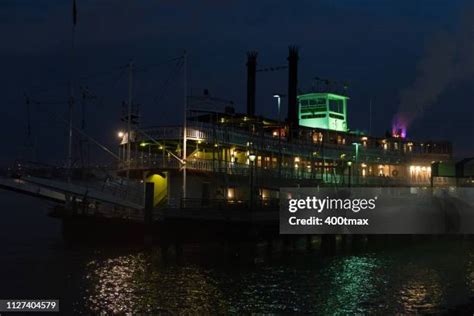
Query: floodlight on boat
(252, 157)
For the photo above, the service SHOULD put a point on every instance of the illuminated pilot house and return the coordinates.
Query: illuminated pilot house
(323, 110)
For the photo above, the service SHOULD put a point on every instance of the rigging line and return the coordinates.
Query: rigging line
(111, 81)
(99, 82)
(160, 144)
(91, 95)
(100, 98)
(103, 74)
(164, 87)
(103, 147)
(96, 98)
(62, 84)
(148, 67)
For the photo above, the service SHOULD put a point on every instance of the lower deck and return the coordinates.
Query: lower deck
(259, 187)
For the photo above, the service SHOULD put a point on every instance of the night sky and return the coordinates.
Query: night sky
(378, 47)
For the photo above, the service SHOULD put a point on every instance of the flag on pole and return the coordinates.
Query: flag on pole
(74, 13)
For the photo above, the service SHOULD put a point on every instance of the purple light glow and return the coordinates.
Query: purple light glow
(399, 127)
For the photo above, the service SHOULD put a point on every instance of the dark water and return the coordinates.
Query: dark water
(428, 276)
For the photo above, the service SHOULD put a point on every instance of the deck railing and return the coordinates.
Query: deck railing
(217, 166)
(264, 142)
(244, 170)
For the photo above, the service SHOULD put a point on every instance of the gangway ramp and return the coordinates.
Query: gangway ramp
(58, 190)
(24, 187)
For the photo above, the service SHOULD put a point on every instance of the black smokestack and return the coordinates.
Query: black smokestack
(251, 81)
(292, 86)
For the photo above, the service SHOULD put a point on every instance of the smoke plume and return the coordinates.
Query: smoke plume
(448, 58)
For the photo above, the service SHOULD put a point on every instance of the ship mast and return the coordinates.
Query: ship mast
(185, 107)
(71, 92)
(129, 117)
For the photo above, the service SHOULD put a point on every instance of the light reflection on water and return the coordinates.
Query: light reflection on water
(470, 273)
(132, 284)
(422, 292)
(410, 282)
(352, 283)
(424, 276)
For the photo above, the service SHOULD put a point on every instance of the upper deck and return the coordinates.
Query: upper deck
(320, 145)
(312, 154)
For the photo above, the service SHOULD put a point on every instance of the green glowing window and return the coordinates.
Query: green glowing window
(336, 106)
(320, 101)
(313, 109)
(313, 116)
(313, 105)
(340, 117)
